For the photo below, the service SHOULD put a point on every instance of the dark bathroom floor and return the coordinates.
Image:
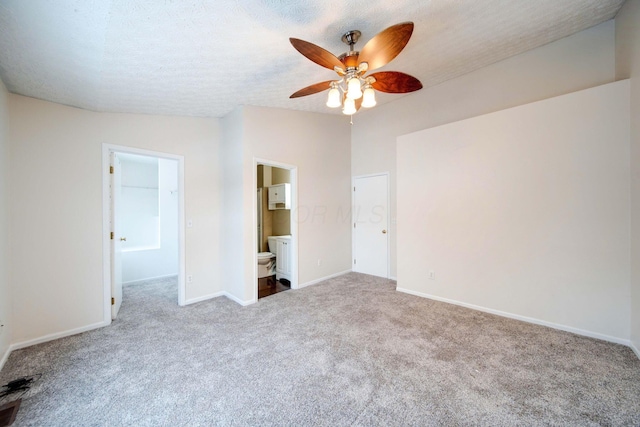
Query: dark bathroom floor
(269, 286)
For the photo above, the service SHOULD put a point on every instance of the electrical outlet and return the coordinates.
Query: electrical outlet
(189, 278)
(319, 262)
(432, 275)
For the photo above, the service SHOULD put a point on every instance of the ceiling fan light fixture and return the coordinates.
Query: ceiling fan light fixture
(369, 97)
(349, 107)
(354, 88)
(333, 100)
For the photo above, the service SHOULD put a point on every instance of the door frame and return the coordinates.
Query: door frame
(353, 217)
(293, 177)
(107, 149)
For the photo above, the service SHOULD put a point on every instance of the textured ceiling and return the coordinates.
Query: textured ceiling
(204, 58)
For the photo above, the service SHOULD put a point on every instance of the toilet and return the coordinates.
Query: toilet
(266, 264)
(267, 260)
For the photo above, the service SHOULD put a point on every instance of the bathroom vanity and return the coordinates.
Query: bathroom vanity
(283, 257)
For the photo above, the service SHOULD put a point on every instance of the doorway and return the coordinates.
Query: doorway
(371, 224)
(275, 228)
(143, 221)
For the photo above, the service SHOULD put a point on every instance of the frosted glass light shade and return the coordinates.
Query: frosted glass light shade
(333, 100)
(369, 98)
(349, 107)
(354, 91)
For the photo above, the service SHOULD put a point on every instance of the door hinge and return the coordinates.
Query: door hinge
(354, 225)
(112, 235)
(354, 188)
(113, 301)
(354, 261)
(110, 169)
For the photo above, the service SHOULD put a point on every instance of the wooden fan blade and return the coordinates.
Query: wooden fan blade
(395, 82)
(317, 54)
(386, 45)
(310, 90)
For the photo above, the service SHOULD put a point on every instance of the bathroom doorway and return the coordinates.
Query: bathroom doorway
(149, 218)
(143, 210)
(276, 259)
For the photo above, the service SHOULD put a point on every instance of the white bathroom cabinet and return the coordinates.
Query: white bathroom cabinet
(283, 259)
(280, 197)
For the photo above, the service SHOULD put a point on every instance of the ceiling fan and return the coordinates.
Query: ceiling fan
(354, 89)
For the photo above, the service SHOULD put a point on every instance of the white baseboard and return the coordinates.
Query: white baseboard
(322, 279)
(133, 282)
(57, 335)
(5, 356)
(395, 279)
(219, 294)
(238, 300)
(522, 318)
(635, 349)
(204, 298)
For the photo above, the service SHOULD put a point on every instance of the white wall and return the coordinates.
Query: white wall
(162, 260)
(169, 210)
(232, 243)
(580, 61)
(319, 146)
(139, 210)
(628, 66)
(524, 211)
(5, 290)
(56, 169)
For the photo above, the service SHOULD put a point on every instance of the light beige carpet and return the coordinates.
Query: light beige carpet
(350, 351)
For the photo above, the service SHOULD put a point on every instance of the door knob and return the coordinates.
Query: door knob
(123, 239)
(384, 231)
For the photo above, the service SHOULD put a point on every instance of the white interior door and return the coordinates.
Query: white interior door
(371, 228)
(116, 237)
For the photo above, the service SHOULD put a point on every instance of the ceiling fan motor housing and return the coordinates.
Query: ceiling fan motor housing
(350, 59)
